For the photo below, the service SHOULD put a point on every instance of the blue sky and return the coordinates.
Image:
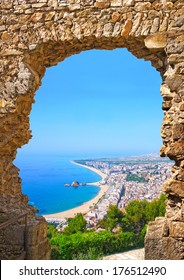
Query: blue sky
(97, 103)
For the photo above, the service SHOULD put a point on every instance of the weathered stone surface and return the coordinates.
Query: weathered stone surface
(156, 41)
(177, 229)
(181, 107)
(115, 17)
(176, 150)
(36, 17)
(116, 3)
(128, 2)
(38, 34)
(166, 93)
(155, 26)
(11, 52)
(102, 4)
(174, 187)
(168, 237)
(53, 3)
(127, 28)
(178, 131)
(154, 240)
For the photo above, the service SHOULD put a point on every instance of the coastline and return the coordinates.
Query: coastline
(84, 208)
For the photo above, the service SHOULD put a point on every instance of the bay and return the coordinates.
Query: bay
(44, 178)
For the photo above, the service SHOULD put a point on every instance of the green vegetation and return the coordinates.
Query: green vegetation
(114, 218)
(136, 178)
(77, 224)
(121, 232)
(89, 245)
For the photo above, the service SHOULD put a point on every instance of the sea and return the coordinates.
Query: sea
(44, 178)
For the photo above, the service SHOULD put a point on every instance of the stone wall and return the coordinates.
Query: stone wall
(39, 34)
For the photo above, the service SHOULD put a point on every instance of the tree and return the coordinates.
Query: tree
(162, 204)
(152, 210)
(114, 213)
(51, 231)
(76, 224)
(155, 208)
(136, 215)
(114, 218)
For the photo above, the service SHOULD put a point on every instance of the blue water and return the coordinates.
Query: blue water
(43, 179)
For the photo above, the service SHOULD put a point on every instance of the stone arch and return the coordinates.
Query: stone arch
(35, 35)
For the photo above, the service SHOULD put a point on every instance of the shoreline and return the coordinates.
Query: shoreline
(85, 207)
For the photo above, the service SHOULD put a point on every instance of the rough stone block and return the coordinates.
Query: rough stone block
(166, 93)
(127, 28)
(128, 3)
(156, 41)
(38, 5)
(178, 131)
(101, 4)
(174, 187)
(154, 241)
(176, 150)
(53, 3)
(116, 3)
(35, 233)
(176, 229)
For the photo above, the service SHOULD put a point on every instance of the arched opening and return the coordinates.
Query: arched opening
(95, 104)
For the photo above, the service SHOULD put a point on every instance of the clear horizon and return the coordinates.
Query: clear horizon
(104, 103)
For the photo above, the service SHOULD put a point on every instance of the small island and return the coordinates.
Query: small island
(75, 184)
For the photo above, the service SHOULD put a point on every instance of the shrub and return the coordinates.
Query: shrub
(76, 243)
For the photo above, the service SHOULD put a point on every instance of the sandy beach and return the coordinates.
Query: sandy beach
(84, 208)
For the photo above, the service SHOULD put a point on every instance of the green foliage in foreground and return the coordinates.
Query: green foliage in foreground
(90, 245)
(77, 243)
(77, 224)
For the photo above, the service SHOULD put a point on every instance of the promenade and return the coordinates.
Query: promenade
(137, 254)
